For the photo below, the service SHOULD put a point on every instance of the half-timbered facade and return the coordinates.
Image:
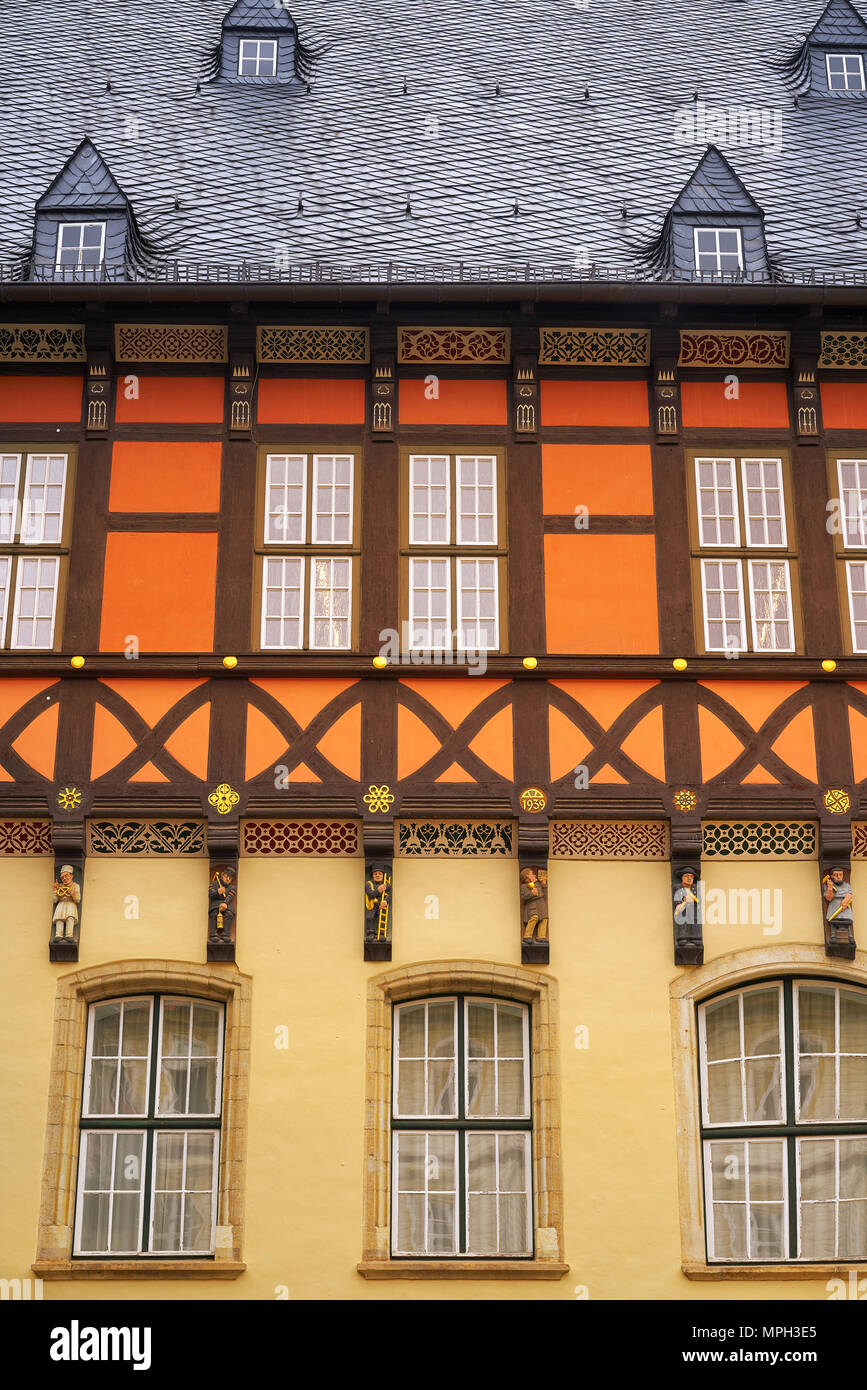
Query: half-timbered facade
(433, 619)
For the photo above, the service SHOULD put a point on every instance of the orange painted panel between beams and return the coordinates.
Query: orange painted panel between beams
(858, 741)
(719, 746)
(606, 699)
(493, 743)
(844, 405)
(341, 744)
(189, 742)
(594, 403)
(111, 742)
(454, 699)
(313, 401)
(645, 745)
(15, 691)
(611, 479)
(457, 403)
(567, 746)
(151, 698)
(759, 405)
(796, 745)
(416, 745)
(38, 398)
(172, 400)
(303, 698)
(38, 742)
(265, 743)
(600, 594)
(755, 700)
(160, 588)
(165, 477)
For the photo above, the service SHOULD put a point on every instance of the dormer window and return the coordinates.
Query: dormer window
(845, 72)
(80, 243)
(257, 58)
(718, 250)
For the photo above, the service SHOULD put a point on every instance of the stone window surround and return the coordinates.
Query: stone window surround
(733, 971)
(476, 978)
(75, 993)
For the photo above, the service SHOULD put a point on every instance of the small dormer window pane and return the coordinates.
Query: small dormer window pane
(718, 250)
(845, 72)
(80, 243)
(257, 58)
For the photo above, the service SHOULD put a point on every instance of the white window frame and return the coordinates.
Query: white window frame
(27, 513)
(84, 1140)
(763, 521)
(742, 617)
(62, 265)
(86, 1111)
(525, 1037)
(332, 459)
(271, 459)
(850, 564)
(16, 508)
(428, 459)
(715, 519)
(218, 1085)
(842, 57)
(258, 45)
(462, 618)
(527, 1137)
(837, 1118)
(216, 1136)
(429, 645)
(397, 1190)
(282, 560)
(790, 619)
(716, 252)
(39, 561)
(859, 518)
(742, 1059)
(330, 560)
(415, 1003)
(747, 1204)
(461, 461)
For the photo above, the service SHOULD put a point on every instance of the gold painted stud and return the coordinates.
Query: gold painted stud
(230, 662)
(829, 665)
(530, 663)
(77, 662)
(380, 662)
(679, 663)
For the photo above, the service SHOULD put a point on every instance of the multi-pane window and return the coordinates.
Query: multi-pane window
(461, 1129)
(850, 529)
(454, 507)
(747, 598)
(309, 544)
(845, 72)
(150, 1128)
(33, 506)
(257, 58)
(80, 244)
(784, 1122)
(718, 250)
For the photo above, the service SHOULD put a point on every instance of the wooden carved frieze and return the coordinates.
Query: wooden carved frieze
(297, 838)
(609, 839)
(761, 839)
(594, 347)
(320, 344)
(161, 839)
(455, 839)
(844, 351)
(24, 838)
(736, 348)
(170, 342)
(42, 342)
(461, 346)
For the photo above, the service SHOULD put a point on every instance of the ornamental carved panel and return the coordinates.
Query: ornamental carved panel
(165, 839)
(844, 350)
(859, 839)
(335, 838)
(25, 837)
(455, 839)
(170, 342)
(609, 839)
(594, 347)
(320, 343)
(475, 346)
(42, 342)
(739, 839)
(733, 348)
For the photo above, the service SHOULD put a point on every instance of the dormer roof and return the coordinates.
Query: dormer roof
(259, 14)
(84, 184)
(714, 188)
(839, 25)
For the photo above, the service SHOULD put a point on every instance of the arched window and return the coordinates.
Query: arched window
(462, 1129)
(783, 1087)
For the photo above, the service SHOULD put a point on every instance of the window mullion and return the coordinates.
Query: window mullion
(461, 1068)
(787, 1061)
(149, 1123)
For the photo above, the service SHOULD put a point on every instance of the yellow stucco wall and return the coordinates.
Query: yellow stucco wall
(300, 940)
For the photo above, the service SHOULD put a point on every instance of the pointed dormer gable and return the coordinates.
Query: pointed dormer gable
(714, 229)
(83, 222)
(832, 61)
(259, 43)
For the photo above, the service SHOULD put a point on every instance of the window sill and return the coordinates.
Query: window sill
(700, 1270)
(140, 1269)
(461, 1269)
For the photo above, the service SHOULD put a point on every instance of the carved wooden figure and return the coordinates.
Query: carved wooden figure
(687, 912)
(533, 893)
(839, 922)
(222, 911)
(66, 911)
(378, 876)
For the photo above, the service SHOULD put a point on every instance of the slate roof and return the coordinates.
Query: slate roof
(435, 131)
(84, 183)
(839, 24)
(714, 187)
(259, 14)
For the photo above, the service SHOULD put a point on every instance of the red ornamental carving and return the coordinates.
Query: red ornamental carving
(454, 345)
(25, 837)
(300, 837)
(734, 349)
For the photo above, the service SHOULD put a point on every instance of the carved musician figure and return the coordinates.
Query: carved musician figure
(222, 895)
(534, 904)
(67, 896)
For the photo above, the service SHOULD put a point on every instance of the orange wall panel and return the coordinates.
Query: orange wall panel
(317, 401)
(458, 403)
(612, 479)
(844, 405)
(165, 477)
(759, 405)
(38, 398)
(600, 594)
(172, 400)
(160, 587)
(594, 403)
